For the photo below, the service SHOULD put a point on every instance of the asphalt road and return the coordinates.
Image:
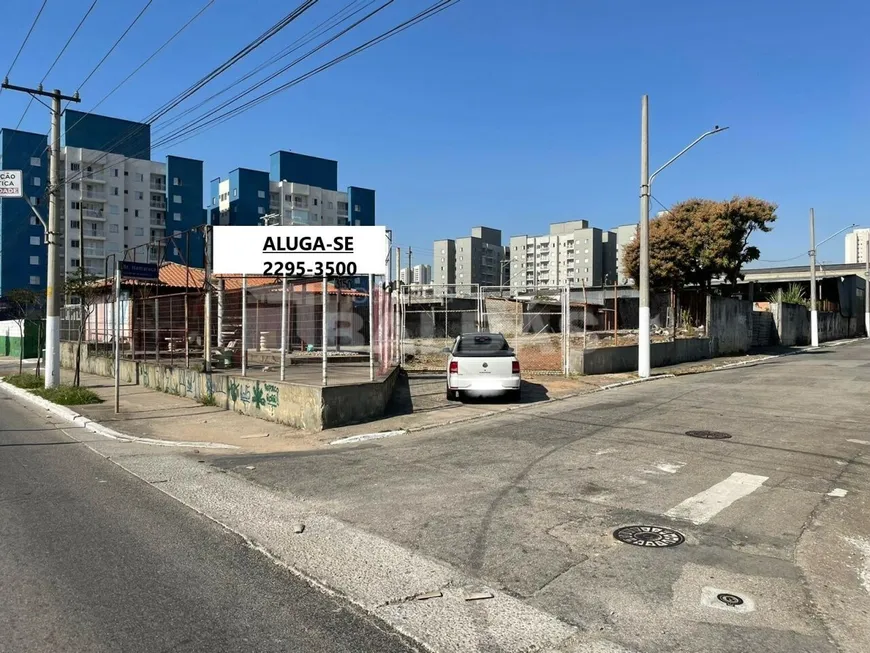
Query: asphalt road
(777, 514)
(93, 559)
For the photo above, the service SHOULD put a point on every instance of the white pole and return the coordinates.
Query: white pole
(371, 328)
(814, 313)
(117, 331)
(244, 325)
(52, 304)
(643, 336)
(283, 326)
(867, 289)
(324, 333)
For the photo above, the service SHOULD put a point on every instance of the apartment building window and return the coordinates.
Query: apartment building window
(75, 166)
(262, 211)
(74, 243)
(261, 194)
(177, 198)
(75, 185)
(34, 281)
(235, 192)
(140, 177)
(329, 205)
(140, 195)
(36, 181)
(115, 172)
(315, 201)
(288, 198)
(176, 217)
(585, 251)
(135, 213)
(35, 240)
(34, 260)
(74, 263)
(73, 224)
(176, 181)
(35, 162)
(114, 209)
(139, 231)
(113, 228)
(114, 191)
(214, 200)
(33, 221)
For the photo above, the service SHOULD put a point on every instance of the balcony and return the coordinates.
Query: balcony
(94, 176)
(94, 235)
(158, 184)
(96, 195)
(91, 214)
(160, 205)
(94, 253)
(158, 223)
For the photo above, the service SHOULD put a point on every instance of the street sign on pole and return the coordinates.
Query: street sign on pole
(143, 271)
(11, 184)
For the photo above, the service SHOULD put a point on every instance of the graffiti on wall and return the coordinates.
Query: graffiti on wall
(260, 395)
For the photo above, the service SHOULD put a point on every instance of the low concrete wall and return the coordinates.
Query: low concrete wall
(833, 326)
(763, 329)
(302, 406)
(793, 325)
(611, 360)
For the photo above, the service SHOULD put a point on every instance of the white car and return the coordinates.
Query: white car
(482, 364)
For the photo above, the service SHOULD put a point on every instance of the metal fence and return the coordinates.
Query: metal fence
(310, 331)
(543, 325)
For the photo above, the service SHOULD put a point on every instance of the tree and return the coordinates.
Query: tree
(700, 240)
(25, 307)
(87, 291)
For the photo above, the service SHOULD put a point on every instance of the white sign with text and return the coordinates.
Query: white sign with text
(299, 251)
(11, 183)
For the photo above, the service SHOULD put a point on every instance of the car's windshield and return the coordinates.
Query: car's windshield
(484, 344)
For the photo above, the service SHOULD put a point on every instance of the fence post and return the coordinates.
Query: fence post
(186, 329)
(117, 343)
(171, 342)
(371, 328)
(220, 312)
(283, 326)
(244, 325)
(585, 303)
(324, 333)
(156, 329)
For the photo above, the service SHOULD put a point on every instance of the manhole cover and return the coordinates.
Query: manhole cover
(708, 435)
(648, 536)
(730, 599)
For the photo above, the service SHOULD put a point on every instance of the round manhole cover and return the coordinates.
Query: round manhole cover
(730, 599)
(708, 435)
(648, 536)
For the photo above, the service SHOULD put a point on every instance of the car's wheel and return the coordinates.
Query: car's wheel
(515, 396)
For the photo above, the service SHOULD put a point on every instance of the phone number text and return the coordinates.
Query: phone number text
(310, 268)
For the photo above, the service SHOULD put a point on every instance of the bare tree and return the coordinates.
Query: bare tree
(87, 291)
(24, 302)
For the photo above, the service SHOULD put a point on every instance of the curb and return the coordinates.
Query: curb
(97, 428)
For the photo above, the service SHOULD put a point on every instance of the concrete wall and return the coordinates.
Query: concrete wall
(730, 326)
(302, 406)
(763, 329)
(793, 325)
(833, 326)
(611, 360)
(12, 341)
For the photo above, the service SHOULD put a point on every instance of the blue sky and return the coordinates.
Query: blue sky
(510, 113)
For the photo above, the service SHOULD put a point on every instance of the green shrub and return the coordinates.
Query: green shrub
(67, 395)
(26, 381)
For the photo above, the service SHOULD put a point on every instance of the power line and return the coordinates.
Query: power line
(175, 101)
(24, 42)
(335, 19)
(57, 58)
(188, 130)
(114, 45)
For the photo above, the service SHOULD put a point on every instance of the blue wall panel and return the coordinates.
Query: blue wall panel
(304, 169)
(361, 206)
(184, 181)
(93, 132)
(16, 230)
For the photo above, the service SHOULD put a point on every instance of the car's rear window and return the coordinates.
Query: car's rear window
(482, 345)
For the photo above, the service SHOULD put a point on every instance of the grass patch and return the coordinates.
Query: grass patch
(68, 395)
(26, 381)
(208, 400)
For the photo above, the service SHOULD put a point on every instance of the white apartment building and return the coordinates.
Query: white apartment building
(416, 275)
(625, 234)
(109, 203)
(301, 204)
(856, 245)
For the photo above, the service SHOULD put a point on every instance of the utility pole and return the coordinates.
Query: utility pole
(814, 313)
(410, 273)
(643, 344)
(52, 307)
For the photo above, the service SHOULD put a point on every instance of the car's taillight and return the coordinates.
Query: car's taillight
(515, 367)
(454, 367)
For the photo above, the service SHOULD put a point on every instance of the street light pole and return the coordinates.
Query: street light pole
(643, 339)
(814, 314)
(646, 180)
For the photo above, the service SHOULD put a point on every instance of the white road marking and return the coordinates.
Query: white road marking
(858, 441)
(705, 505)
(864, 547)
(367, 436)
(606, 451)
(838, 492)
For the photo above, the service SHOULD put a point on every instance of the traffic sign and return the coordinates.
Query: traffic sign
(143, 271)
(11, 184)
